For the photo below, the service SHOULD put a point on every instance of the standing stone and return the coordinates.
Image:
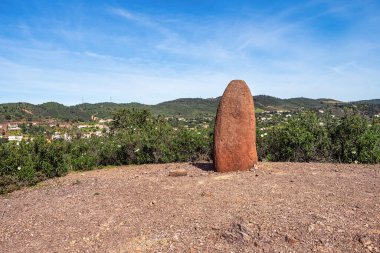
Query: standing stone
(235, 130)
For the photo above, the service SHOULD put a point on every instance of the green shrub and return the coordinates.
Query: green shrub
(301, 138)
(345, 137)
(369, 145)
(84, 162)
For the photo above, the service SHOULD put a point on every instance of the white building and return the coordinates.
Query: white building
(56, 136)
(15, 138)
(67, 137)
(13, 127)
(98, 133)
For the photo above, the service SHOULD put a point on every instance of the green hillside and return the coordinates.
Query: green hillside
(372, 102)
(183, 107)
(187, 107)
(269, 103)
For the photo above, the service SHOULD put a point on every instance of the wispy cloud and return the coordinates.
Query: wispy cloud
(142, 19)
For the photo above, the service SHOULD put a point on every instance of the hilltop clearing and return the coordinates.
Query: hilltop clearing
(279, 207)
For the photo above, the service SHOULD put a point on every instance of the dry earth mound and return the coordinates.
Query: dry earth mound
(280, 207)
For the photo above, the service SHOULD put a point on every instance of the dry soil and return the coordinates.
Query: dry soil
(278, 207)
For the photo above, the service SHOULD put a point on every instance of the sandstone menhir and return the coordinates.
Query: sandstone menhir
(235, 129)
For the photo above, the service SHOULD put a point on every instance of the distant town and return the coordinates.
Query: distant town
(18, 131)
(52, 129)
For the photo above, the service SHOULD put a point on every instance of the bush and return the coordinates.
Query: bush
(346, 138)
(306, 138)
(369, 145)
(299, 139)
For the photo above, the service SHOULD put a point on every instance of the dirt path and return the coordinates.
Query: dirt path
(280, 207)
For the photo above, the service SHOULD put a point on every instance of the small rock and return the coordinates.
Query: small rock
(178, 173)
(206, 194)
(320, 223)
(290, 239)
(237, 233)
(311, 228)
(245, 237)
(176, 238)
(370, 248)
(365, 241)
(255, 167)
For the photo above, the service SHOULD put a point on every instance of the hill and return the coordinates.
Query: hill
(184, 107)
(187, 107)
(274, 104)
(372, 102)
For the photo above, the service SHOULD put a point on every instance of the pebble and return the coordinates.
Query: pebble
(365, 241)
(290, 239)
(311, 228)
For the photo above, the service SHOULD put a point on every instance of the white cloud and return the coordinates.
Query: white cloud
(141, 19)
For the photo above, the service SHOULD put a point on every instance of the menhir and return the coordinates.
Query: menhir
(235, 130)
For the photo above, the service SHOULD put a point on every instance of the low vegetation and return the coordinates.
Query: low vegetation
(138, 137)
(309, 138)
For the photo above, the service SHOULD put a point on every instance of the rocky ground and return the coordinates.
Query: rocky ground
(279, 207)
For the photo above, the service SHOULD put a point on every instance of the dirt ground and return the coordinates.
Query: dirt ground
(279, 207)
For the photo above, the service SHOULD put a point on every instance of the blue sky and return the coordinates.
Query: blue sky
(151, 51)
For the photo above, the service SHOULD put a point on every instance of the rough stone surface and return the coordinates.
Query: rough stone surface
(235, 130)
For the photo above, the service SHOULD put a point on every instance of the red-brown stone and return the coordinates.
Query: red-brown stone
(235, 129)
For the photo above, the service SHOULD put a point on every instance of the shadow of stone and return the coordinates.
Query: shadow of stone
(204, 166)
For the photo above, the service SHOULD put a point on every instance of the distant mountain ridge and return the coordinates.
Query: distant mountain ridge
(184, 107)
(371, 101)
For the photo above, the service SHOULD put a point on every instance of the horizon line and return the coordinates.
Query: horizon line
(135, 102)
